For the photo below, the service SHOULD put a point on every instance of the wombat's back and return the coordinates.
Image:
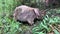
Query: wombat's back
(26, 15)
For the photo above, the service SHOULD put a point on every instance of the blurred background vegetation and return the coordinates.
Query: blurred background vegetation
(50, 24)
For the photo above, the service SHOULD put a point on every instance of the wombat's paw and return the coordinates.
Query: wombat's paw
(30, 22)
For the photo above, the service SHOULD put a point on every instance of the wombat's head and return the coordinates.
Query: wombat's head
(16, 12)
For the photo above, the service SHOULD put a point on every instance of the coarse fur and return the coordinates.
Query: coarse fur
(26, 13)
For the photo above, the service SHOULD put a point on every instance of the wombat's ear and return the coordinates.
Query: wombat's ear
(37, 12)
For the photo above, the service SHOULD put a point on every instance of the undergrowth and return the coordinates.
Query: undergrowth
(9, 26)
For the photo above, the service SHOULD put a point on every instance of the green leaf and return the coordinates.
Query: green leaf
(56, 32)
(39, 33)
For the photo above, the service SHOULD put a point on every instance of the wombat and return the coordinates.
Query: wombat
(26, 13)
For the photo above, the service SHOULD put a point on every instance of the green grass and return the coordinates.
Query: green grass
(9, 26)
(44, 26)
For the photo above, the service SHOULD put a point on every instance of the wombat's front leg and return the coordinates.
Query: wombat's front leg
(31, 22)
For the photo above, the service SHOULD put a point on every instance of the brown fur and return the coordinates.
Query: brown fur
(25, 13)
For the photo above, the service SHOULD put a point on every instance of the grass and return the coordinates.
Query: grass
(9, 26)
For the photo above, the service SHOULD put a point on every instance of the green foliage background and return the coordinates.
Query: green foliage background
(9, 26)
